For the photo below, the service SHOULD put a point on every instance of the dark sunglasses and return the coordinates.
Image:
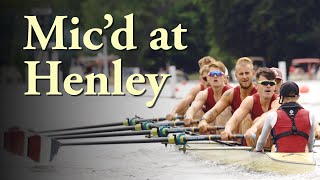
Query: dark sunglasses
(266, 83)
(215, 73)
(204, 78)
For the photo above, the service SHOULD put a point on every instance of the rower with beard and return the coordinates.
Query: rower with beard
(257, 104)
(233, 97)
(184, 104)
(206, 99)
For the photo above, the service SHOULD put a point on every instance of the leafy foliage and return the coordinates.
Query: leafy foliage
(226, 30)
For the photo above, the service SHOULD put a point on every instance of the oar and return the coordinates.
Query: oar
(178, 139)
(137, 127)
(162, 131)
(128, 122)
(217, 148)
(37, 154)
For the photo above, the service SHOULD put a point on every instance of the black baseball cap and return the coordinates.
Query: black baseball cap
(289, 89)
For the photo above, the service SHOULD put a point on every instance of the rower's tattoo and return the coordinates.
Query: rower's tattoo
(227, 94)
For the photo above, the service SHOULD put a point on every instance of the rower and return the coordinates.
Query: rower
(184, 104)
(233, 97)
(291, 126)
(256, 104)
(206, 99)
(278, 79)
(258, 122)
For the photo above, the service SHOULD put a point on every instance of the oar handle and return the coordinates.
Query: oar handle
(134, 121)
(209, 128)
(194, 121)
(212, 137)
(236, 136)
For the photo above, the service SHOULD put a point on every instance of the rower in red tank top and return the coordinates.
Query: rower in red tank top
(202, 87)
(236, 101)
(185, 103)
(232, 97)
(210, 99)
(291, 126)
(256, 104)
(216, 78)
(257, 110)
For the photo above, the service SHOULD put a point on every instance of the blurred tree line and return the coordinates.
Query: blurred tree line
(225, 30)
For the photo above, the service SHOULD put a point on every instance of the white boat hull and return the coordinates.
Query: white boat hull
(281, 163)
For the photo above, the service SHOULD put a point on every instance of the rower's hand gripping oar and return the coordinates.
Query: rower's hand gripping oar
(178, 139)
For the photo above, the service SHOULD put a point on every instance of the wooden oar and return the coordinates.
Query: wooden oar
(39, 153)
(128, 122)
(156, 132)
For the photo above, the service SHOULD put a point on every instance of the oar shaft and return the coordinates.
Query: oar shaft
(174, 123)
(126, 128)
(210, 137)
(83, 127)
(131, 141)
(109, 134)
(192, 129)
(128, 122)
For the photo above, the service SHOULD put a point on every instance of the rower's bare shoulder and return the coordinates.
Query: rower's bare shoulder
(202, 95)
(195, 90)
(248, 101)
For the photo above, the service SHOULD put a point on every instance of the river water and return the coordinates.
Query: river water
(135, 161)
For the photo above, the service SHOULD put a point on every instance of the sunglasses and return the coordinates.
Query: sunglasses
(266, 83)
(215, 73)
(204, 78)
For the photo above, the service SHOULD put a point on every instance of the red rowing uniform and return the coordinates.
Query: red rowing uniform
(291, 133)
(236, 101)
(257, 110)
(210, 98)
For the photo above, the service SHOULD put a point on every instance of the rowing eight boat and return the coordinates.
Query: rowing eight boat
(281, 163)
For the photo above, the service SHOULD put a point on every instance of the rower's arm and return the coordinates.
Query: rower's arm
(220, 106)
(259, 121)
(197, 104)
(240, 114)
(275, 105)
(186, 101)
(312, 132)
(317, 129)
(267, 126)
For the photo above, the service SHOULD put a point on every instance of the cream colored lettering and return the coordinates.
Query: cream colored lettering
(155, 87)
(135, 79)
(32, 78)
(34, 24)
(90, 89)
(129, 35)
(178, 37)
(73, 79)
